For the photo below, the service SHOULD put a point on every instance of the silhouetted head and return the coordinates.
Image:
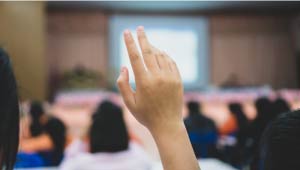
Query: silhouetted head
(280, 106)
(264, 111)
(9, 114)
(280, 145)
(108, 132)
(262, 104)
(193, 107)
(237, 110)
(36, 112)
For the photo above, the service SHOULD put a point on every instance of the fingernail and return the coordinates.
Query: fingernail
(126, 32)
(140, 28)
(123, 69)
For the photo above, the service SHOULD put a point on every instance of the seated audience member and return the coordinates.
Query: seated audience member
(236, 110)
(9, 114)
(202, 131)
(264, 116)
(280, 106)
(240, 153)
(48, 138)
(280, 143)
(109, 146)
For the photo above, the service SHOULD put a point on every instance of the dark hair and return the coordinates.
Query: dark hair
(57, 132)
(9, 114)
(108, 132)
(194, 107)
(280, 146)
(264, 111)
(280, 106)
(237, 110)
(264, 117)
(36, 112)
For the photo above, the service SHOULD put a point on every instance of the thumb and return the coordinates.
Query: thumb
(125, 89)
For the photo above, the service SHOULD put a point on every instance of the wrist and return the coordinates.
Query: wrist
(167, 129)
(174, 147)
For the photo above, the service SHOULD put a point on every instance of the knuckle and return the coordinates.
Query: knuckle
(157, 56)
(174, 63)
(148, 51)
(134, 57)
(160, 57)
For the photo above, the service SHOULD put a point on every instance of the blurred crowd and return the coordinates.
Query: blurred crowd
(237, 146)
(45, 141)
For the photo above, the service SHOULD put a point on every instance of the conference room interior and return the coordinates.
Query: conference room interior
(67, 57)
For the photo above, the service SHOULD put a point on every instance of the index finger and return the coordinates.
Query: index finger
(134, 56)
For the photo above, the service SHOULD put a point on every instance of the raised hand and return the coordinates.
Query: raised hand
(157, 101)
(158, 98)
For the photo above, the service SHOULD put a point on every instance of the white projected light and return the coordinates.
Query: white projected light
(184, 39)
(181, 46)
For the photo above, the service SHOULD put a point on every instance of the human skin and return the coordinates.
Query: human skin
(157, 101)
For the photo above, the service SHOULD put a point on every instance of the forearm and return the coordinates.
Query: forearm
(175, 148)
(157, 101)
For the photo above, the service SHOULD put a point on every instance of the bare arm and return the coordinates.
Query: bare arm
(157, 102)
(36, 144)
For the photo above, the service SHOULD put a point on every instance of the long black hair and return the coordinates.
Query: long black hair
(108, 132)
(9, 114)
(57, 132)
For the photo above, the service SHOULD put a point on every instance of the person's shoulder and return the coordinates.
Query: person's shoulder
(135, 147)
(138, 152)
(79, 161)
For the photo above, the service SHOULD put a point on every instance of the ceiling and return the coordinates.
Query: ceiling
(178, 6)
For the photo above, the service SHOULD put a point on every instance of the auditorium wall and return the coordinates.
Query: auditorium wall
(76, 39)
(22, 33)
(257, 49)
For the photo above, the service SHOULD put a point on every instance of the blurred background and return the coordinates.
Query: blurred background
(67, 55)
